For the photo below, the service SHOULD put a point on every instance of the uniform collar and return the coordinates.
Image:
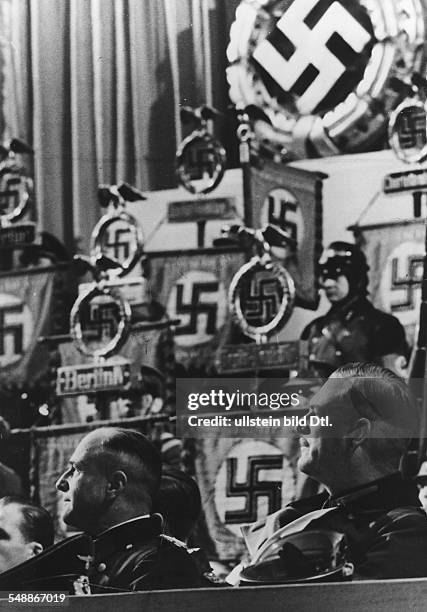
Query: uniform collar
(383, 494)
(124, 535)
(351, 304)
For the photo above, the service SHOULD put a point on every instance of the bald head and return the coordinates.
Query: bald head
(112, 477)
(113, 448)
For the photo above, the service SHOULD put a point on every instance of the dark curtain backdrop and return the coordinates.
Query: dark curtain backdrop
(95, 87)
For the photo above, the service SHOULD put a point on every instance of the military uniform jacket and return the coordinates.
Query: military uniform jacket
(354, 332)
(385, 527)
(134, 556)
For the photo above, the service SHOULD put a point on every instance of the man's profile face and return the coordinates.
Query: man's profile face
(14, 548)
(84, 485)
(325, 450)
(336, 289)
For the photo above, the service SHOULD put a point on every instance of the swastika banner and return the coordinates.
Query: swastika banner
(193, 285)
(291, 198)
(242, 481)
(26, 312)
(395, 254)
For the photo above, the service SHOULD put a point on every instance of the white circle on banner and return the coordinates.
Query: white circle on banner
(281, 208)
(254, 480)
(16, 329)
(400, 288)
(199, 300)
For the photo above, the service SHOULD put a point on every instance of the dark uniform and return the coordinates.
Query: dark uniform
(62, 567)
(352, 330)
(134, 556)
(385, 527)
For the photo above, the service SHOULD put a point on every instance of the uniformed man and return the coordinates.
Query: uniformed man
(357, 461)
(179, 503)
(352, 330)
(108, 488)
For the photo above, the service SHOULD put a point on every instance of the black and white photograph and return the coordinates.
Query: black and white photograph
(213, 305)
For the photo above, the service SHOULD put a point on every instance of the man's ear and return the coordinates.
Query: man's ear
(34, 548)
(116, 483)
(359, 432)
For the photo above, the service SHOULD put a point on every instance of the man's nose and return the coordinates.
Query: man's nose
(62, 484)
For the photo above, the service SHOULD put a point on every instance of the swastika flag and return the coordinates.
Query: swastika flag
(26, 302)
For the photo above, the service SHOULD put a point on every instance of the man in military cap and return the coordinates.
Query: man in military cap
(108, 487)
(352, 329)
(357, 460)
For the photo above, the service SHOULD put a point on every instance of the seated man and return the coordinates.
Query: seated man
(108, 489)
(357, 460)
(178, 501)
(25, 531)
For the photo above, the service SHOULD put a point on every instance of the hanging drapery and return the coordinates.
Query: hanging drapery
(94, 86)
(82, 90)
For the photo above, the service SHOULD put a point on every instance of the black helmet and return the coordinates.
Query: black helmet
(306, 556)
(344, 258)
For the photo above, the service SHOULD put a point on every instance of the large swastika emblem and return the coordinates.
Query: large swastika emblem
(198, 299)
(314, 44)
(401, 282)
(16, 328)
(254, 480)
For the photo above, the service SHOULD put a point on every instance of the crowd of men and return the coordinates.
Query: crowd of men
(135, 518)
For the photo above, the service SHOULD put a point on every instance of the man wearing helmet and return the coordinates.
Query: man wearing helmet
(352, 330)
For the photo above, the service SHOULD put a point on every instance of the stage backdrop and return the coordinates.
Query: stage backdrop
(395, 253)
